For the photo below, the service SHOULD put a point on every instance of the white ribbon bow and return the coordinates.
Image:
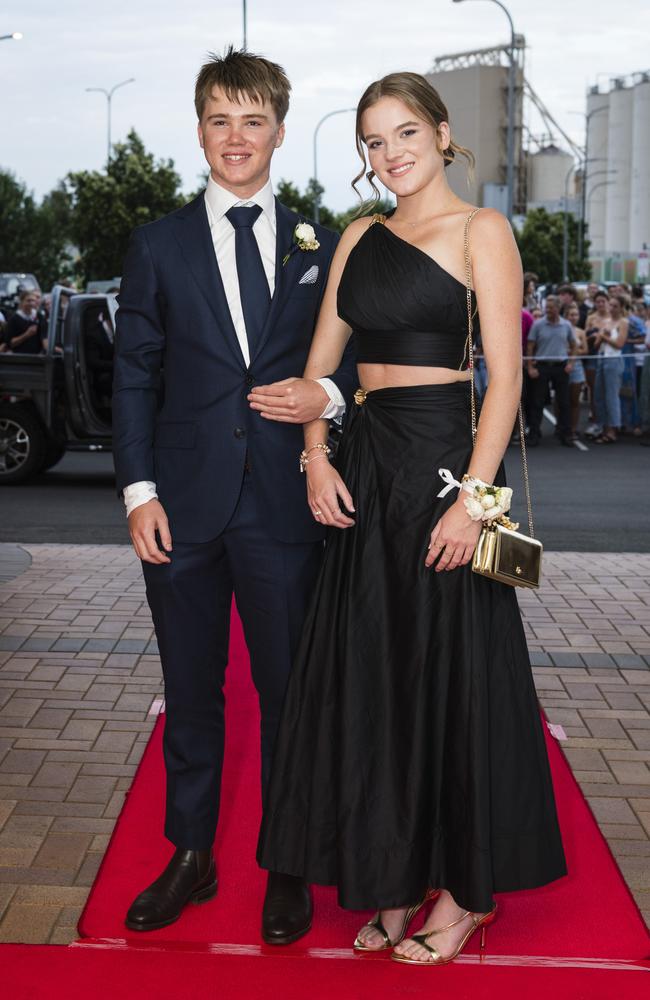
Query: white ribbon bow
(447, 477)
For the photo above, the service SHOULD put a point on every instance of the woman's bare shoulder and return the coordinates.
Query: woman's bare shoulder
(355, 230)
(490, 222)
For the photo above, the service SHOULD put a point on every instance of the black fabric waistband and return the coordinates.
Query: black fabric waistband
(410, 347)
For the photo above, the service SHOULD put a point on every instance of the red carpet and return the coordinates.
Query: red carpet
(580, 938)
(589, 913)
(34, 972)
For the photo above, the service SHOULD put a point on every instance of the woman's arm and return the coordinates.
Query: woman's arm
(497, 272)
(580, 341)
(617, 339)
(324, 485)
(496, 267)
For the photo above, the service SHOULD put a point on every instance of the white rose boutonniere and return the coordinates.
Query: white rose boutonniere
(304, 238)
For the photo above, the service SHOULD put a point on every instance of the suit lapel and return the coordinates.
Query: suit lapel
(195, 239)
(285, 223)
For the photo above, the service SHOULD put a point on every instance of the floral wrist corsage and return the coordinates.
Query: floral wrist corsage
(485, 503)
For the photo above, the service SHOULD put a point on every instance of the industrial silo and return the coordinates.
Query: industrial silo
(617, 218)
(596, 176)
(548, 170)
(640, 167)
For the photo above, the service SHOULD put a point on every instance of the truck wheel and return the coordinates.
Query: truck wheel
(54, 452)
(22, 443)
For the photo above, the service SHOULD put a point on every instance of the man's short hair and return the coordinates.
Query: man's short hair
(553, 299)
(601, 294)
(238, 72)
(567, 290)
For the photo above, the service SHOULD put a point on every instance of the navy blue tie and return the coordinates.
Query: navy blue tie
(253, 283)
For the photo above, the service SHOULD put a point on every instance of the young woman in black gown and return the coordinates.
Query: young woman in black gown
(410, 763)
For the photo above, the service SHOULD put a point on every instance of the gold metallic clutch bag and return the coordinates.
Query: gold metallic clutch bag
(502, 553)
(508, 556)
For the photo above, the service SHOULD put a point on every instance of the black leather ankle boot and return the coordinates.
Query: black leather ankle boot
(190, 877)
(287, 909)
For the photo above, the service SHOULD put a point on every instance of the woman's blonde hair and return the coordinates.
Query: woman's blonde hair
(418, 95)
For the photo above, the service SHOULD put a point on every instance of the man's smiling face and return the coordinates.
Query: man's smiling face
(238, 139)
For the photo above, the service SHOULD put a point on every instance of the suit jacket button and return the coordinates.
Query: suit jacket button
(250, 381)
(240, 432)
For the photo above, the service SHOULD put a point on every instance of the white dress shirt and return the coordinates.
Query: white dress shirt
(217, 202)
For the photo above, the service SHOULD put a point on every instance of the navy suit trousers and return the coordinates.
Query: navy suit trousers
(190, 600)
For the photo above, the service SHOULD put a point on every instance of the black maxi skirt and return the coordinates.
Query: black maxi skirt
(410, 752)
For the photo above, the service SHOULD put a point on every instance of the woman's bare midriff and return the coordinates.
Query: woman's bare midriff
(374, 376)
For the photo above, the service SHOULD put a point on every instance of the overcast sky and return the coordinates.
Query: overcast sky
(331, 50)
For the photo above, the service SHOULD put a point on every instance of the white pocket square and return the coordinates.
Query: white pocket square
(310, 277)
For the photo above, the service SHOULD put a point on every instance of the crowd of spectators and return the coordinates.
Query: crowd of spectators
(593, 351)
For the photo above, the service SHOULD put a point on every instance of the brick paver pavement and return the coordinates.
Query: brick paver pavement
(80, 682)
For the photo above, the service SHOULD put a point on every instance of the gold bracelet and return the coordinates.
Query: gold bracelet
(304, 454)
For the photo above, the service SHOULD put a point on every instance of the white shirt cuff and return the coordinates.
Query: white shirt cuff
(336, 406)
(138, 493)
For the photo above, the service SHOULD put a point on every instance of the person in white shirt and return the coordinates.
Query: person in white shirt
(215, 500)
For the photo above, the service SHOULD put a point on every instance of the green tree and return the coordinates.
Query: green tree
(55, 254)
(17, 224)
(33, 237)
(541, 242)
(289, 194)
(106, 207)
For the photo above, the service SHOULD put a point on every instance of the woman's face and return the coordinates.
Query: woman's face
(573, 315)
(602, 305)
(615, 308)
(402, 147)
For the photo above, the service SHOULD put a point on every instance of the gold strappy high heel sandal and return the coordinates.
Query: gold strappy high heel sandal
(435, 957)
(376, 924)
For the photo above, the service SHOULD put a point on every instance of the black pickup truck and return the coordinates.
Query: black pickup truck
(60, 399)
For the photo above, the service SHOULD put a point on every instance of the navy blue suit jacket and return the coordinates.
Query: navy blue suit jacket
(180, 413)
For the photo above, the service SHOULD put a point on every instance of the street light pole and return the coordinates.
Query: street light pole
(565, 235)
(565, 229)
(595, 188)
(510, 140)
(583, 203)
(339, 111)
(108, 94)
(245, 16)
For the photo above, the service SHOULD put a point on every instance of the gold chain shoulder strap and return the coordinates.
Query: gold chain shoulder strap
(469, 345)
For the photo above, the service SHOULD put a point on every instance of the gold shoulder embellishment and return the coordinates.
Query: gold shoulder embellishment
(378, 217)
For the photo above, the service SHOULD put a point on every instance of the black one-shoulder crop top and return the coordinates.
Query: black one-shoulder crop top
(404, 307)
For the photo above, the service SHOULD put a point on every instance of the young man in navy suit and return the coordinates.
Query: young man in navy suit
(217, 299)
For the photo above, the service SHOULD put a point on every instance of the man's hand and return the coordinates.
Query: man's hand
(291, 401)
(144, 521)
(532, 371)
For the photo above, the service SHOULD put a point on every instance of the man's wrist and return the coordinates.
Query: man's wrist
(137, 494)
(335, 407)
